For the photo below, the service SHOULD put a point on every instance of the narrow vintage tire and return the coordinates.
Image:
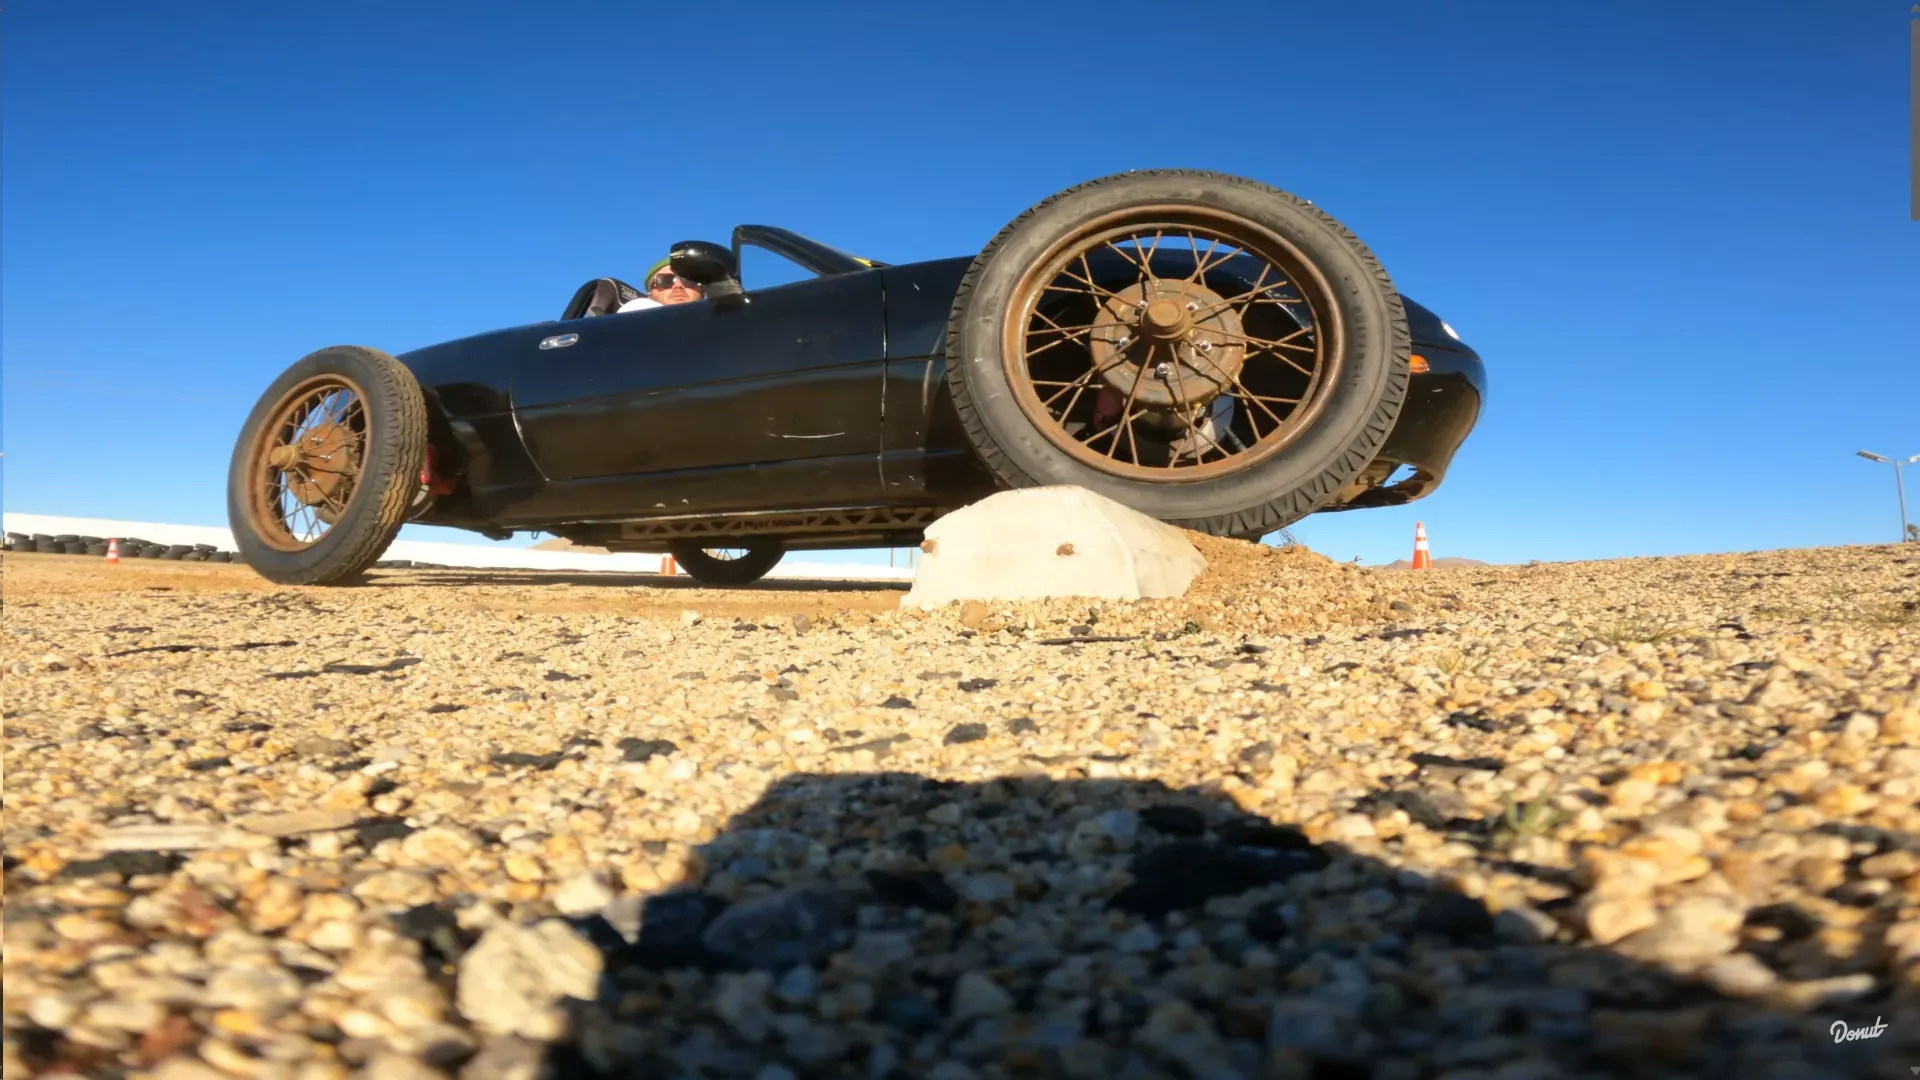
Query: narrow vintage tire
(761, 557)
(1357, 407)
(392, 440)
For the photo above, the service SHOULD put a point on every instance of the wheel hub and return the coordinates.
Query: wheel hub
(1167, 344)
(317, 464)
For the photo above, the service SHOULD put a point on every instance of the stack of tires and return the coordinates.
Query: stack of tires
(131, 547)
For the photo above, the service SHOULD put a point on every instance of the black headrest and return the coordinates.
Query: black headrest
(601, 296)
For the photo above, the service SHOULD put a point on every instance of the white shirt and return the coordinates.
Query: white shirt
(638, 303)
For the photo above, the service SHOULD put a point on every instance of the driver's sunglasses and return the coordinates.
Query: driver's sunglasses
(662, 282)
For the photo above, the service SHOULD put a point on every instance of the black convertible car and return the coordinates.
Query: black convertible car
(1208, 350)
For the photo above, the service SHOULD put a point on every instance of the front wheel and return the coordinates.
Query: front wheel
(326, 466)
(1207, 350)
(727, 566)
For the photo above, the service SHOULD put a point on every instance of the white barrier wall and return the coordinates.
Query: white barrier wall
(473, 556)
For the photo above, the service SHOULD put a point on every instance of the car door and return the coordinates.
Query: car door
(795, 373)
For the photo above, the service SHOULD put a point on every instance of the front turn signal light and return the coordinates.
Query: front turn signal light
(1417, 363)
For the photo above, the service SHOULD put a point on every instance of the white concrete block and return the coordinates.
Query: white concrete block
(1051, 541)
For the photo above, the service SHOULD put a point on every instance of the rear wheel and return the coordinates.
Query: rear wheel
(324, 469)
(728, 565)
(1207, 350)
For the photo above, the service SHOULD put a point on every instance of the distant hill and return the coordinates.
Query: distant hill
(1438, 564)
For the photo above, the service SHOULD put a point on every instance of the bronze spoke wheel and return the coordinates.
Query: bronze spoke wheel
(1204, 349)
(306, 461)
(1172, 344)
(326, 467)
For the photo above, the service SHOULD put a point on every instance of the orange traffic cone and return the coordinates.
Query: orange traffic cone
(1422, 558)
(113, 551)
(667, 565)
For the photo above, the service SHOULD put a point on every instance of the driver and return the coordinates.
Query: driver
(664, 287)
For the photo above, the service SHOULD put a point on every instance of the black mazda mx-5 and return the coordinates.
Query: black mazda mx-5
(1205, 349)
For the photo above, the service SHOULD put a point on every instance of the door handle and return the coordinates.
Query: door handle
(559, 341)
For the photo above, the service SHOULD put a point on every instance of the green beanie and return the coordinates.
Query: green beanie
(656, 268)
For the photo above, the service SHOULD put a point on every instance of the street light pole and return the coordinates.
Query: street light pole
(1899, 486)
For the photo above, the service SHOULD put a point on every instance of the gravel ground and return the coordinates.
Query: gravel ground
(1644, 817)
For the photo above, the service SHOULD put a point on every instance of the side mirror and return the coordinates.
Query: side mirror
(703, 263)
(711, 267)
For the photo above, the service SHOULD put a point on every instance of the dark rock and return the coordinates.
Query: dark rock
(445, 707)
(372, 831)
(973, 685)
(1269, 923)
(395, 664)
(671, 925)
(1175, 820)
(437, 929)
(209, 764)
(1450, 915)
(1023, 725)
(912, 1014)
(896, 702)
(1476, 764)
(1792, 923)
(126, 864)
(1250, 649)
(632, 749)
(800, 925)
(923, 889)
(1476, 720)
(561, 676)
(541, 762)
(966, 733)
(245, 727)
(1258, 757)
(1188, 873)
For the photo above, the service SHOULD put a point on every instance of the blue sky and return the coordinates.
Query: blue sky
(1678, 233)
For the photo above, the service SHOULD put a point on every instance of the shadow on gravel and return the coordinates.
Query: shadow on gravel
(876, 925)
(890, 927)
(415, 579)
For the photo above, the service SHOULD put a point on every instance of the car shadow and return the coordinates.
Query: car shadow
(405, 578)
(879, 924)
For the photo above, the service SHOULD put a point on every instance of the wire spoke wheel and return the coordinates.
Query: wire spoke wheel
(728, 565)
(1172, 343)
(306, 462)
